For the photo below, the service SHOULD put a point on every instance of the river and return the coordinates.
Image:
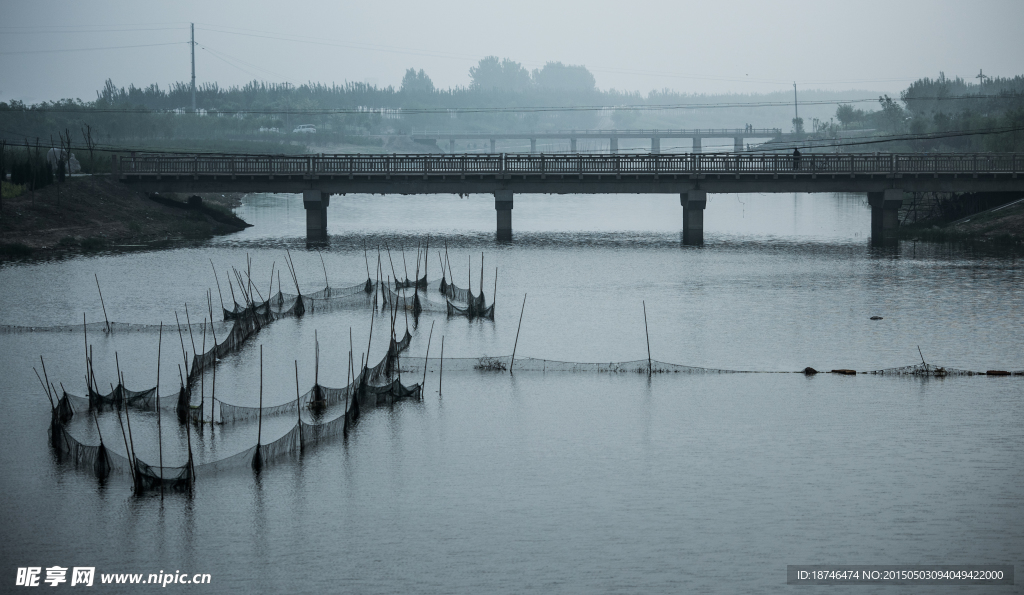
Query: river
(547, 481)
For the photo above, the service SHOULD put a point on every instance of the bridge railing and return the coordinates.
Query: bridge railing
(569, 164)
(639, 133)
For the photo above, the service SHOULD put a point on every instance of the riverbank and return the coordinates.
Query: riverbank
(1002, 225)
(92, 213)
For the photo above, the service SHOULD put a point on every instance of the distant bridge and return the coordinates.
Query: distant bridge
(883, 176)
(737, 134)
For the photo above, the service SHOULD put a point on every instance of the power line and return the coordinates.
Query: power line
(113, 47)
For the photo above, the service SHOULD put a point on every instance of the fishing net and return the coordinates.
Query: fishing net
(475, 309)
(412, 302)
(421, 283)
(114, 328)
(152, 478)
(923, 369)
(528, 364)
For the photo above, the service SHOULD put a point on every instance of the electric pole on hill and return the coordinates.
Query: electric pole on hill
(192, 27)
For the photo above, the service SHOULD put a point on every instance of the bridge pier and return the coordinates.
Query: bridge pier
(655, 145)
(696, 144)
(693, 203)
(613, 145)
(885, 223)
(572, 145)
(316, 203)
(503, 207)
(492, 145)
(737, 144)
(533, 145)
(451, 146)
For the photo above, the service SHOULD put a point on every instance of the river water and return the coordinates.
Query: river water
(548, 481)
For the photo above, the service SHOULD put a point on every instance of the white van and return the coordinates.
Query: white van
(305, 129)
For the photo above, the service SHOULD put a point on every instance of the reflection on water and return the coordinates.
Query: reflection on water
(581, 482)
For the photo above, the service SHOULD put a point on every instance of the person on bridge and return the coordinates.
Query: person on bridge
(796, 159)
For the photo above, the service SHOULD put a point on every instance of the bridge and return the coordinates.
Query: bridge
(884, 177)
(737, 134)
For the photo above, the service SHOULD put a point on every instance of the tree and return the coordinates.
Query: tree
(556, 76)
(892, 114)
(847, 115)
(491, 74)
(416, 82)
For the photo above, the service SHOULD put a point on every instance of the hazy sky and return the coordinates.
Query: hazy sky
(708, 46)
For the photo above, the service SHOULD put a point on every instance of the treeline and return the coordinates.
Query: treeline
(949, 109)
(260, 116)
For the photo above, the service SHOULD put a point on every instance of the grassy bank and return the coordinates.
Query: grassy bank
(1003, 226)
(93, 213)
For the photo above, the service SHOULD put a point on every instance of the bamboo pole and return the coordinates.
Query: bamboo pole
(159, 426)
(259, 430)
(366, 260)
(53, 407)
(270, 291)
(101, 301)
(47, 378)
(188, 322)
(217, 279)
(85, 335)
(425, 358)
(648, 334)
(516, 344)
(184, 357)
(388, 248)
(405, 265)
(298, 411)
(131, 442)
(440, 376)
(202, 377)
(127, 451)
(327, 282)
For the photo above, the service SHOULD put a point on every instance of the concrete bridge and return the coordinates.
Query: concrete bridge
(884, 177)
(737, 134)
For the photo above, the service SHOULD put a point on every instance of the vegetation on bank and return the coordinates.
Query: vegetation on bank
(92, 213)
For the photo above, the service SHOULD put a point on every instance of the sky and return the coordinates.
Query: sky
(51, 49)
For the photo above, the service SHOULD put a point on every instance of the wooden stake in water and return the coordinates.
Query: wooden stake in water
(516, 344)
(101, 301)
(440, 376)
(648, 339)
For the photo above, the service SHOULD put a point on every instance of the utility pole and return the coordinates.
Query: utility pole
(796, 109)
(192, 27)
